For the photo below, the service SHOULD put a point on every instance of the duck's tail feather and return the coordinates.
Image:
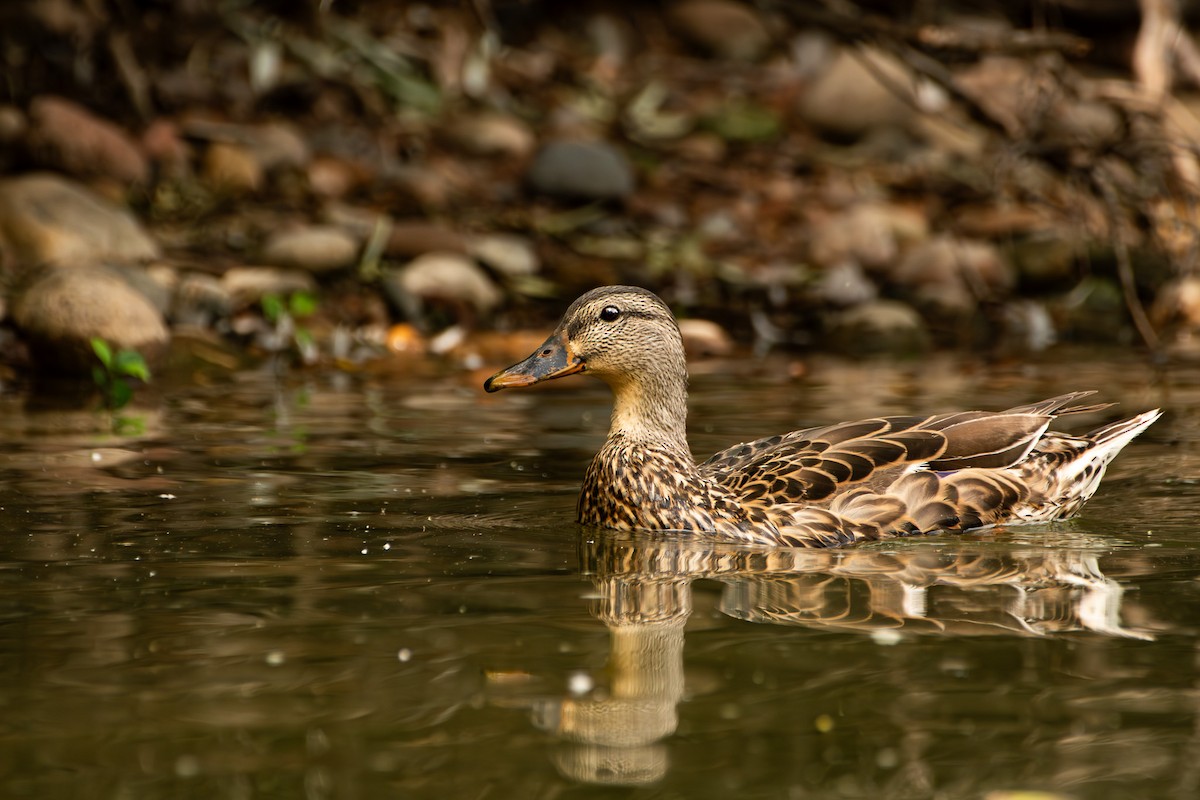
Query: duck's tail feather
(1063, 472)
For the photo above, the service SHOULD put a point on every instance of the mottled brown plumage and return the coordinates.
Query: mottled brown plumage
(831, 485)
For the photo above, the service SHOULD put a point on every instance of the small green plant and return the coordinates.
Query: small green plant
(285, 315)
(114, 372)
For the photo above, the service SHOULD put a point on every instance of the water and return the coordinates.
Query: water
(343, 586)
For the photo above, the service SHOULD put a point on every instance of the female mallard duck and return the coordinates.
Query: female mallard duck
(832, 485)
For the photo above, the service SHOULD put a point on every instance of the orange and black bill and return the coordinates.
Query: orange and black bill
(552, 360)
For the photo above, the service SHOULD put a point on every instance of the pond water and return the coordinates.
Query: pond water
(333, 585)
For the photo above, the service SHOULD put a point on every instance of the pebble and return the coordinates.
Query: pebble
(274, 145)
(722, 28)
(1178, 303)
(845, 284)
(13, 124)
(62, 310)
(315, 248)
(953, 275)
(65, 135)
(231, 168)
(332, 177)
(46, 219)
(492, 134)
(247, 285)
(868, 234)
(200, 300)
(704, 339)
(166, 148)
(446, 278)
(848, 100)
(581, 170)
(880, 326)
(508, 254)
(1045, 259)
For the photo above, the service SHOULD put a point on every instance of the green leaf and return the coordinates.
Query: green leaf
(119, 394)
(272, 306)
(102, 351)
(131, 363)
(100, 376)
(302, 304)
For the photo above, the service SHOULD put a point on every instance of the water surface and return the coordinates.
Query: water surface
(329, 585)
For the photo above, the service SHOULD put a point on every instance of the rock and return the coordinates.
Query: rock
(1095, 310)
(413, 237)
(1046, 259)
(1027, 327)
(13, 124)
(201, 300)
(722, 28)
(845, 285)
(868, 234)
(848, 99)
(316, 248)
(62, 310)
(881, 326)
(405, 339)
(1178, 304)
(247, 285)
(272, 146)
(165, 146)
(67, 136)
(704, 339)
(140, 278)
(332, 177)
(508, 254)
(442, 278)
(492, 134)
(231, 168)
(47, 219)
(581, 170)
(952, 276)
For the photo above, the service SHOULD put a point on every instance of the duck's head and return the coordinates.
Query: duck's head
(620, 334)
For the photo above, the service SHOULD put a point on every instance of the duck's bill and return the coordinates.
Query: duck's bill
(552, 360)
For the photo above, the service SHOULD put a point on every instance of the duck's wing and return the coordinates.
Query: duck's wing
(816, 464)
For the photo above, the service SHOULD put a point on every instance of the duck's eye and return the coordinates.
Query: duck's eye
(610, 313)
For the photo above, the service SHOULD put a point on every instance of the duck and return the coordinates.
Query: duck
(825, 486)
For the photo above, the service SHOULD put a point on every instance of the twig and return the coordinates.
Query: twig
(1125, 268)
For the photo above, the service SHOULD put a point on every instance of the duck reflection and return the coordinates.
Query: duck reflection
(612, 734)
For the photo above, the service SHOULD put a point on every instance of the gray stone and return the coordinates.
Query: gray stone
(581, 170)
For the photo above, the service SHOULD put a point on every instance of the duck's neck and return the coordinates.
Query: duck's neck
(652, 409)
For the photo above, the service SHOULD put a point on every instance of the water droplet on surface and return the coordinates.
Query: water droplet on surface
(580, 683)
